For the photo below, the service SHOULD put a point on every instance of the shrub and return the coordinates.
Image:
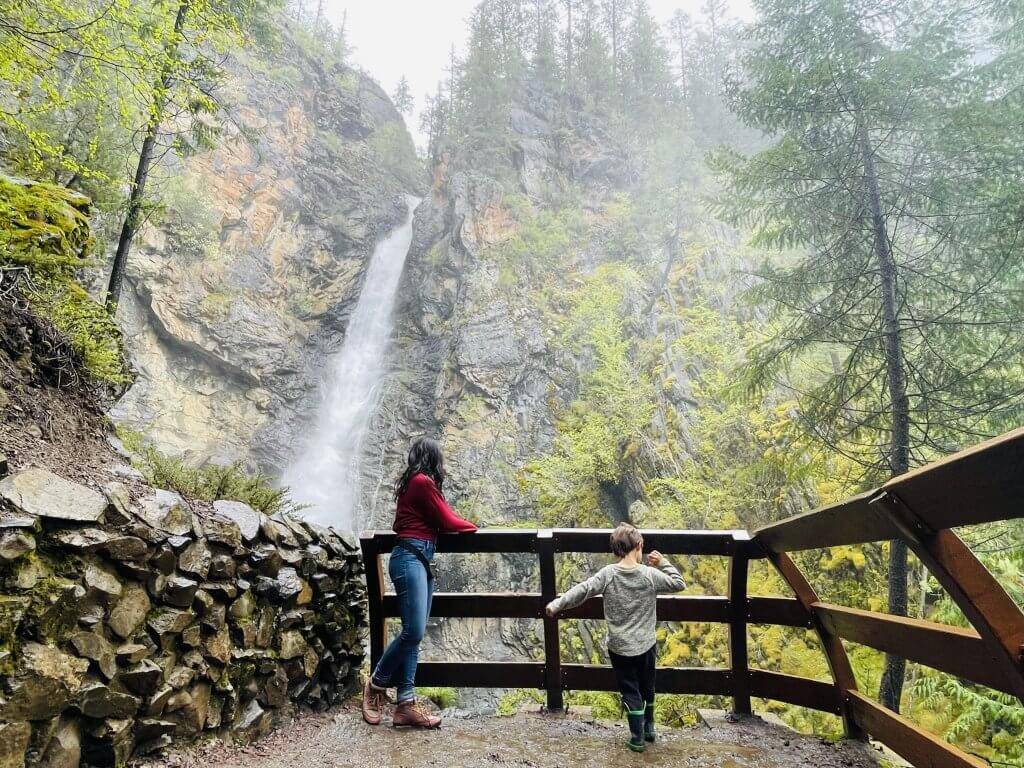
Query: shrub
(207, 482)
(445, 698)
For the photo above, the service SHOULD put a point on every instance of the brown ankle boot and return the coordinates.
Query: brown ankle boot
(373, 703)
(414, 714)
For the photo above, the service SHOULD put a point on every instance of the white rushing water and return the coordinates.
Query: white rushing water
(325, 474)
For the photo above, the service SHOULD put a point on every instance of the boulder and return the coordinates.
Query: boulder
(218, 646)
(245, 517)
(131, 609)
(126, 548)
(13, 743)
(292, 645)
(169, 621)
(101, 579)
(242, 609)
(249, 720)
(84, 539)
(267, 559)
(141, 679)
(64, 749)
(149, 728)
(132, 653)
(91, 645)
(46, 682)
(98, 701)
(274, 692)
(15, 544)
(119, 500)
(221, 530)
(222, 567)
(166, 511)
(109, 742)
(58, 606)
(179, 591)
(192, 637)
(43, 494)
(164, 559)
(196, 559)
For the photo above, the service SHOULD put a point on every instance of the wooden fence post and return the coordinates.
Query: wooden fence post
(552, 647)
(374, 596)
(738, 632)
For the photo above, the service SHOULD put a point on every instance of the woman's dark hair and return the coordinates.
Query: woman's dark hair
(425, 456)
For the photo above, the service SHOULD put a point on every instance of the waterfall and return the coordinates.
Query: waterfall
(325, 474)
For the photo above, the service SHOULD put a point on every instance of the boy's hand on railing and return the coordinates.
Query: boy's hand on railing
(549, 611)
(655, 558)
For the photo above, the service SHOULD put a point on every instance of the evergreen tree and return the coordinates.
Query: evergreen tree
(402, 97)
(880, 148)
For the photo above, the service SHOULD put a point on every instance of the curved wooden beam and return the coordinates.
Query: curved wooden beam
(998, 620)
(838, 662)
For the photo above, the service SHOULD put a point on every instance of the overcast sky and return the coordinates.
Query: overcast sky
(393, 38)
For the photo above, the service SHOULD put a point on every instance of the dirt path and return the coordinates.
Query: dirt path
(339, 739)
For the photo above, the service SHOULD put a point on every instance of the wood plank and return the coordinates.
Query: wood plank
(478, 674)
(668, 542)
(996, 617)
(374, 599)
(838, 662)
(738, 634)
(854, 521)
(552, 645)
(487, 541)
(919, 747)
(710, 681)
(960, 652)
(670, 608)
(980, 484)
(783, 611)
(801, 691)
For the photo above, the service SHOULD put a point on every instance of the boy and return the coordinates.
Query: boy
(630, 589)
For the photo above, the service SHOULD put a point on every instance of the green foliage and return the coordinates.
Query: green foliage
(602, 431)
(46, 234)
(208, 482)
(444, 698)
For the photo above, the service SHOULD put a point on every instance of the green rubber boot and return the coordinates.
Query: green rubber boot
(636, 731)
(649, 734)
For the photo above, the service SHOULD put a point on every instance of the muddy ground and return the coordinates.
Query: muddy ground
(339, 739)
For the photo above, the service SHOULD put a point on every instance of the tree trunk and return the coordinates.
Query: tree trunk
(568, 45)
(138, 189)
(891, 688)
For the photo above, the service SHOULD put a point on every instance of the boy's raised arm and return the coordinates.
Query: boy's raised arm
(579, 594)
(664, 575)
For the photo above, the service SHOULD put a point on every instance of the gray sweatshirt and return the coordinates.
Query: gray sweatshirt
(630, 607)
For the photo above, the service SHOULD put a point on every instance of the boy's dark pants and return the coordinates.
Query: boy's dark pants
(635, 676)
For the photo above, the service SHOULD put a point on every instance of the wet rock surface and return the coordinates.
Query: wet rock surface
(122, 635)
(340, 738)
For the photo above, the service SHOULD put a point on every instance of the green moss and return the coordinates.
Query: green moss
(445, 698)
(45, 230)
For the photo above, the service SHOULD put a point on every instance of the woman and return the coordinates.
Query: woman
(421, 513)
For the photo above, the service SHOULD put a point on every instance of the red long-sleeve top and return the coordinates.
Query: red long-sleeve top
(423, 513)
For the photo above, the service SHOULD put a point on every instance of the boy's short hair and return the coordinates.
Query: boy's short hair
(624, 539)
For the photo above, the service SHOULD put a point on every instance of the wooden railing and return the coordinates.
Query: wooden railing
(979, 485)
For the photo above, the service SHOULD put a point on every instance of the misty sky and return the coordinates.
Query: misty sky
(412, 37)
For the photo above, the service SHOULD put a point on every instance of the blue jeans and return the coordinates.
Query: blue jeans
(397, 667)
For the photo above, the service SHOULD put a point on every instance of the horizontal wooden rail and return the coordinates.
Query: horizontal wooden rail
(957, 651)
(982, 484)
(690, 680)
(481, 674)
(913, 744)
(801, 691)
(784, 611)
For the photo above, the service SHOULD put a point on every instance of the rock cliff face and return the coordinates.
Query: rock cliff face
(247, 283)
